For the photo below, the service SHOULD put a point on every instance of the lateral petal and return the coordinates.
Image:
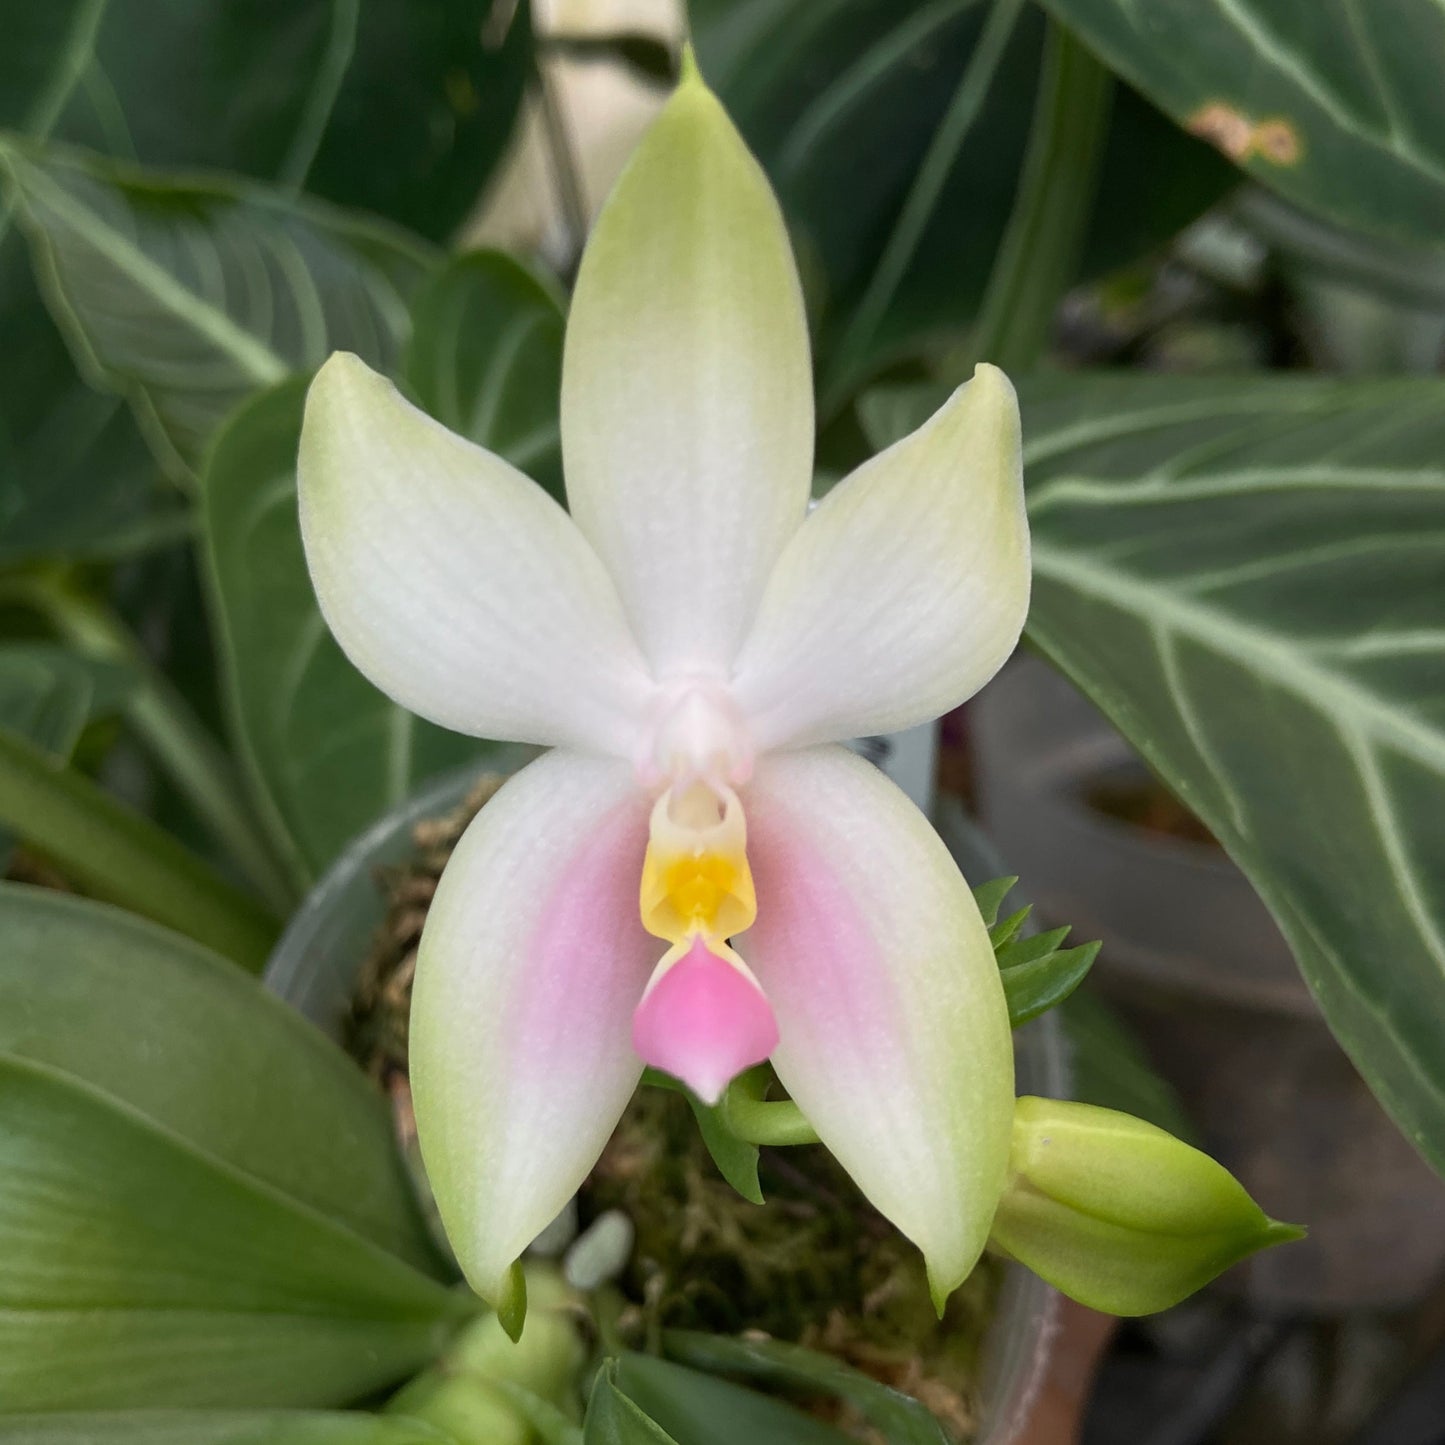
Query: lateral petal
(906, 589)
(894, 1033)
(531, 964)
(456, 584)
(687, 396)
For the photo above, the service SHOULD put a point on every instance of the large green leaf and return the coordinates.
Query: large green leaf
(330, 752)
(397, 108)
(486, 359)
(200, 1199)
(48, 695)
(615, 1419)
(75, 475)
(1246, 576)
(187, 297)
(1336, 105)
(897, 1418)
(698, 1409)
(873, 101)
(216, 1427)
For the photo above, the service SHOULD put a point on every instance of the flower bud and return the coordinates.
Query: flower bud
(1118, 1214)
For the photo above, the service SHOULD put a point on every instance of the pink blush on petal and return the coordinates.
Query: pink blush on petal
(704, 1021)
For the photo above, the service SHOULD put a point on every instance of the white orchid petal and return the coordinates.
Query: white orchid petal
(906, 589)
(894, 1030)
(687, 402)
(452, 581)
(530, 967)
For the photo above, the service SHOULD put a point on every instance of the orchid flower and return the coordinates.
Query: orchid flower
(697, 876)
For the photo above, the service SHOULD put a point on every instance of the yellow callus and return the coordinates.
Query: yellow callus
(695, 877)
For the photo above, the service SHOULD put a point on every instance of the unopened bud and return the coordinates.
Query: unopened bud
(1118, 1214)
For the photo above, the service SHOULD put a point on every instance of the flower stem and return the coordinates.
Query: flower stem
(756, 1121)
(175, 737)
(1039, 254)
(121, 856)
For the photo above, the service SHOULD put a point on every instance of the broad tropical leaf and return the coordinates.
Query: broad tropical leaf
(699, 1409)
(1245, 575)
(1337, 106)
(202, 1202)
(486, 359)
(919, 115)
(897, 1418)
(186, 297)
(48, 695)
(75, 475)
(399, 109)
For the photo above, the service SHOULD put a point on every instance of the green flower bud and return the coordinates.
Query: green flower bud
(468, 1393)
(1118, 1214)
(462, 1408)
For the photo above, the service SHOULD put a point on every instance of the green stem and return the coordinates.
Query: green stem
(756, 1121)
(1038, 257)
(922, 200)
(170, 731)
(123, 857)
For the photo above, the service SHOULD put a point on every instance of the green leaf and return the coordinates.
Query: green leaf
(874, 101)
(990, 896)
(1037, 974)
(1245, 575)
(43, 56)
(210, 1201)
(613, 1419)
(897, 1417)
(699, 1409)
(399, 109)
(215, 1427)
(736, 1159)
(1335, 106)
(187, 296)
(328, 753)
(112, 851)
(48, 694)
(485, 359)
(76, 477)
(1038, 978)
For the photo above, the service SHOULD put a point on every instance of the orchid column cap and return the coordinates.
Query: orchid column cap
(697, 876)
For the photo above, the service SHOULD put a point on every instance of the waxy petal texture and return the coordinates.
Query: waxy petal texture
(895, 1036)
(687, 398)
(531, 965)
(906, 589)
(457, 585)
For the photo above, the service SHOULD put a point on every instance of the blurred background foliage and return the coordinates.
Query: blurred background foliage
(1157, 217)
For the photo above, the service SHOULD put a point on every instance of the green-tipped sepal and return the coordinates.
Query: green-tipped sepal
(1118, 1214)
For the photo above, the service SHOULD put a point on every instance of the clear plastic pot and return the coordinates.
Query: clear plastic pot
(316, 962)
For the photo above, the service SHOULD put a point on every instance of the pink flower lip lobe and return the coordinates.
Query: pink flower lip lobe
(704, 1020)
